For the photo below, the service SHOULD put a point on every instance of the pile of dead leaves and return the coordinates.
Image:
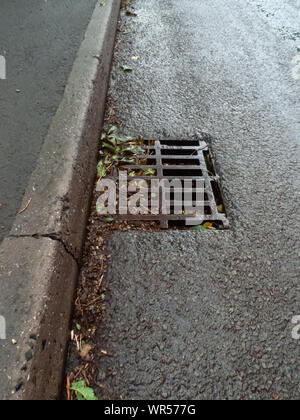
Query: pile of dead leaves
(118, 151)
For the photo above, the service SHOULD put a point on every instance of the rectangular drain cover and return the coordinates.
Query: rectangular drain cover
(186, 161)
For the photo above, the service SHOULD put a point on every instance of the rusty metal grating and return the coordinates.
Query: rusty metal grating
(184, 160)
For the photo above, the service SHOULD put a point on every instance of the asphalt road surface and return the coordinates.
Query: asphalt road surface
(39, 40)
(209, 314)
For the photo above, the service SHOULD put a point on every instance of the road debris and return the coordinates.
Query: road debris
(26, 207)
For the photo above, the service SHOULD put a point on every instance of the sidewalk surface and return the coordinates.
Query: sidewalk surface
(39, 258)
(39, 40)
(208, 315)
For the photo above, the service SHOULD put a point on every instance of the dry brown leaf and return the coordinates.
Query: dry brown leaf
(85, 351)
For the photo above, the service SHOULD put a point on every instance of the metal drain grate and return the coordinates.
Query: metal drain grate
(181, 160)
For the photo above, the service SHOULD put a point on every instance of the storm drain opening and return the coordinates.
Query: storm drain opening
(174, 184)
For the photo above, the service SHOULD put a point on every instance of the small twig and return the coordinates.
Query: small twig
(85, 377)
(199, 150)
(68, 388)
(102, 265)
(100, 281)
(145, 157)
(78, 373)
(93, 301)
(80, 342)
(26, 207)
(148, 210)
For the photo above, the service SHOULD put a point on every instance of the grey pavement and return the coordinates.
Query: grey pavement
(39, 40)
(39, 259)
(208, 314)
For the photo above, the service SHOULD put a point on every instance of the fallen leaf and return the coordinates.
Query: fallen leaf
(85, 351)
(209, 225)
(83, 393)
(149, 172)
(126, 69)
(101, 169)
(200, 227)
(108, 220)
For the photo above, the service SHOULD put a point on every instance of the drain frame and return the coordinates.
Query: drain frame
(160, 151)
